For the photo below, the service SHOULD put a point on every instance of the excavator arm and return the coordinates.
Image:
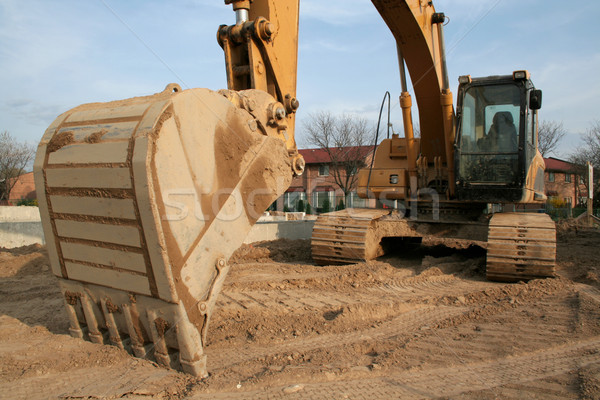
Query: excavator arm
(261, 52)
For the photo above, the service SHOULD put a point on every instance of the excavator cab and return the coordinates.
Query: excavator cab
(496, 140)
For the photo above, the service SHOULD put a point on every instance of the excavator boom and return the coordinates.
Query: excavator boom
(414, 24)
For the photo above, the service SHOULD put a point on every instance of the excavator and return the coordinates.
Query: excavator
(467, 164)
(144, 200)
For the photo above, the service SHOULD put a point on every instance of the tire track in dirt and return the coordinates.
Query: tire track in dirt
(543, 324)
(450, 381)
(88, 382)
(412, 288)
(406, 323)
(592, 292)
(433, 286)
(546, 388)
(294, 299)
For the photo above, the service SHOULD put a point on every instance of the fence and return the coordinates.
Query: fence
(320, 202)
(567, 212)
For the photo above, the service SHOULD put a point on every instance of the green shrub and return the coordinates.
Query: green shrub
(557, 203)
(28, 202)
(326, 206)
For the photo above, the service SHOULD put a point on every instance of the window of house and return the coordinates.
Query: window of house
(292, 199)
(567, 177)
(581, 180)
(321, 198)
(569, 201)
(323, 170)
(550, 176)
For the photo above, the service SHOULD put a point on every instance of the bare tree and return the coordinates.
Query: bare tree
(341, 138)
(589, 151)
(14, 157)
(550, 133)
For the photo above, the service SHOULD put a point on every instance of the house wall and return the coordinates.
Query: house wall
(24, 189)
(313, 185)
(568, 192)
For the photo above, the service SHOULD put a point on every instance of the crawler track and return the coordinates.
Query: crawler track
(344, 237)
(521, 247)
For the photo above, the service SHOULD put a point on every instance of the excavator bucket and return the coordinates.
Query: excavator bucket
(142, 203)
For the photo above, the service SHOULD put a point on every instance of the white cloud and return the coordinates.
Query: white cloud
(35, 37)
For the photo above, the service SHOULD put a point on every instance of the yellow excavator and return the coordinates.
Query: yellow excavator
(467, 163)
(144, 200)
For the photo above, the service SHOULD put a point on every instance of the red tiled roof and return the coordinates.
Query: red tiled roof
(555, 164)
(320, 156)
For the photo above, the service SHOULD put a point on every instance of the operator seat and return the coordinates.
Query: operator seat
(503, 132)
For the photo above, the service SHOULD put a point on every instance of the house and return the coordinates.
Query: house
(563, 183)
(24, 189)
(317, 184)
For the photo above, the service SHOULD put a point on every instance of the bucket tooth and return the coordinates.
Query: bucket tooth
(142, 203)
(158, 328)
(90, 318)
(109, 309)
(191, 356)
(137, 342)
(71, 301)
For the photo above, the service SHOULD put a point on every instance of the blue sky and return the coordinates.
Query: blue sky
(55, 55)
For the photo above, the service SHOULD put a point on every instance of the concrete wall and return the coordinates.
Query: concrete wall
(20, 226)
(271, 230)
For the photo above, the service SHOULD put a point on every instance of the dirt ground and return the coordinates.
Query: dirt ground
(419, 325)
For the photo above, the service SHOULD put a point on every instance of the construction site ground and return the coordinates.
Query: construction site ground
(421, 323)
